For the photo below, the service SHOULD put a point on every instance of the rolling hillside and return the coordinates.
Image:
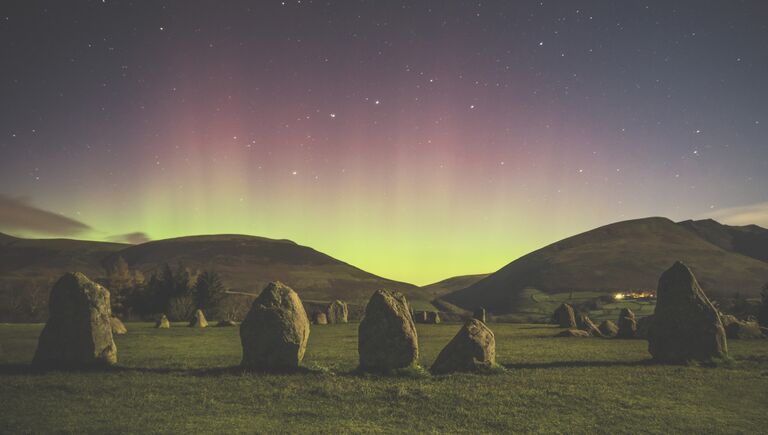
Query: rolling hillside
(44, 260)
(246, 264)
(749, 240)
(452, 284)
(622, 256)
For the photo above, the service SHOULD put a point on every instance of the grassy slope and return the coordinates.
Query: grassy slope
(452, 284)
(181, 381)
(46, 259)
(623, 256)
(246, 263)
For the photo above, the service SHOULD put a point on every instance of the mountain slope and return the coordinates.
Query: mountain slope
(452, 284)
(750, 240)
(621, 256)
(248, 263)
(45, 259)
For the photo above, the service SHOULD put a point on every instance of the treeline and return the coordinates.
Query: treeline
(177, 292)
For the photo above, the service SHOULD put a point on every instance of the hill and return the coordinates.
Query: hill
(246, 264)
(749, 240)
(452, 284)
(629, 255)
(45, 259)
(249, 263)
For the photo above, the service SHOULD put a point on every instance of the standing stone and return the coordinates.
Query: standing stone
(321, 319)
(162, 322)
(586, 324)
(198, 320)
(608, 329)
(386, 338)
(118, 328)
(643, 325)
(480, 315)
(685, 325)
(433, 317)
(565, 317)
(275, 332)
(338, 312)
(743, 330)
(472, 349)
(78, 332)
(627, 324)
(420, 317)
(226, 323)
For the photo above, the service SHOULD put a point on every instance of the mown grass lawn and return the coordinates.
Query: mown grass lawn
(185, 381)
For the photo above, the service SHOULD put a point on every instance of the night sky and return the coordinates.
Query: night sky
(416, 140)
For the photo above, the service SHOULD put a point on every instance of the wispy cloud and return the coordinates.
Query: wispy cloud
(132, 238)
(749, 214)
(16, 214)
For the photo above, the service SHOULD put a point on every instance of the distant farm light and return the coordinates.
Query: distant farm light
(618, 296)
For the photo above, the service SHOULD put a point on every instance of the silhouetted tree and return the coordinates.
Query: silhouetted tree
(209, 291)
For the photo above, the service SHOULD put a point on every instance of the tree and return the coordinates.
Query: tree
(209, 291)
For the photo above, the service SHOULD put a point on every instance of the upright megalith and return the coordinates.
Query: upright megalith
(198, 320)
(480, 315)
(608, 329)
(275, 332)
(321, 319)
(118, 328)
(420, 316)
(627, 324)
(586, 324)
(387, 337)
(565, 317)
(162, 322)
(337, 312)
(685, 325)
(78, 332)
(472, 349)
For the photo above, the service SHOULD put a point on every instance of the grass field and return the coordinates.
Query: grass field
(186, 381)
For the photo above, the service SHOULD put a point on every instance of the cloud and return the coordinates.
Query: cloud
(17, 215)
(136, 238)
(745, 215)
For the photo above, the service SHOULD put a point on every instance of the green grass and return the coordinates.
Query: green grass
(185, 381)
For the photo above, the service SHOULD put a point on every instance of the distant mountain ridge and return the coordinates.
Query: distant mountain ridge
(246, 264)
(627, 255)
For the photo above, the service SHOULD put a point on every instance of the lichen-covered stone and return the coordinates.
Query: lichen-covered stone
(565, 317)
(472, 349)
(608, 329)
(685, 325)
(586, 324)
(480, 315)
(338, 312)
(275, 332)
(627, 324)
(162, 322)
(741, 330)
(198, 320)
(226, 323)
(433, 317)
(387, 337)
(321, 319)
(78, 332)
(118, 328)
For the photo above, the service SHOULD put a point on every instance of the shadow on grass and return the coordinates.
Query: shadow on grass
(29, 369)
(577, 364)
